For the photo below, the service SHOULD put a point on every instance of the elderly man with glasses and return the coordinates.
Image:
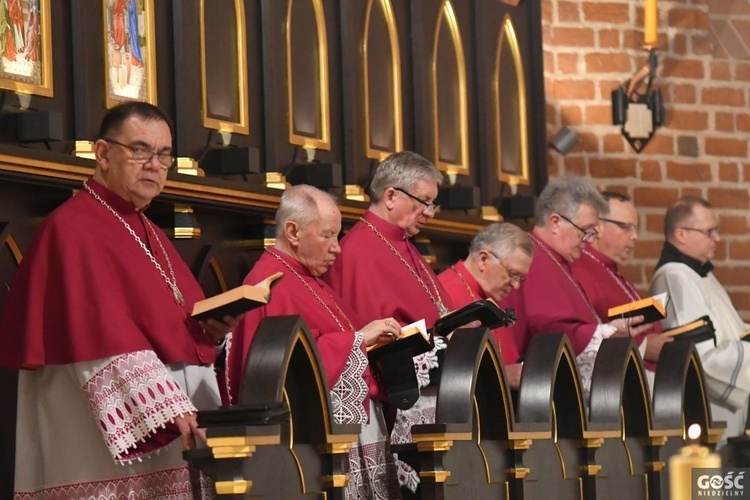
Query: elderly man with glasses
(598, 270)
(691, 230)
(551, 299)
(498, 261)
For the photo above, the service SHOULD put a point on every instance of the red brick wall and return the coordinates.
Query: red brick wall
(591, 47)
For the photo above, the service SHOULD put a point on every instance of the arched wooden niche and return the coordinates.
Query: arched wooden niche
(307, 74)
(224, 89)
(511, 141)
(281, 440)
(550, 399)
(465, 452)
(381, 57)
(449, 94)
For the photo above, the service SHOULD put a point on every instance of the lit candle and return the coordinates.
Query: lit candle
(651, 22)
(689, 457)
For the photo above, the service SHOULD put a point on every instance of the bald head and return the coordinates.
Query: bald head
(308, 223)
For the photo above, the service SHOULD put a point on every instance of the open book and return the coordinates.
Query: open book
(235, 301)
(417, 338)
(697, 331)
(652, 309)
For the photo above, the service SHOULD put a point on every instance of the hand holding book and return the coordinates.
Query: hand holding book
(381, 331)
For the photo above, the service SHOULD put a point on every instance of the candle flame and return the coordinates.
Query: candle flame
(694, 431)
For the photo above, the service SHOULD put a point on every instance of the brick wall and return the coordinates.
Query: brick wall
(591, 47)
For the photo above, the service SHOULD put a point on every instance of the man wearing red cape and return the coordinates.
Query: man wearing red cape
(552, 300)
(498, 261)
(97, 320)
(598, 271)
(307, 226)
(381, 273)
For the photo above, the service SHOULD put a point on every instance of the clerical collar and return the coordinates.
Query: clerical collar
(389, 230)
(670, 254)
(468, 279)
(123, 207)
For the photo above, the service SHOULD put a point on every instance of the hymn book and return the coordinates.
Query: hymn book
(413, 336)
(417, 338)
(235, 301)
(651, 308)
(696, 331)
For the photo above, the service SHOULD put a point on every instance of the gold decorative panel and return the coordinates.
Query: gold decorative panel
(510, 120)
(449, 94)
(224, 87)
(381, 58)
(307, 74)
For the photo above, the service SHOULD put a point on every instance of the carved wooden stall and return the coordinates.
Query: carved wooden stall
(281, 440)
(485, 442)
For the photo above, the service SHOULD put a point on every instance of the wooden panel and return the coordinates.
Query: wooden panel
(488, 22)
(282, 151)
(192, 138)
(439, 107)
(374, 67)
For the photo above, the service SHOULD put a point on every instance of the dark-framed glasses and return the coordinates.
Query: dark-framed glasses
(429, 207)
(711, 232)
(142, 155)
(513, 276)
(625, 226)
(589, 235)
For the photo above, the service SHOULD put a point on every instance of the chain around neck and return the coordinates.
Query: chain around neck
(442, 310)
(629, 290)
(170, 280)
(350, 326)
(466, 284)
(567, 274)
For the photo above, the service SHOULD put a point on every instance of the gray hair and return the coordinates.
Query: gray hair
(563, 195)
(300, 204)
(502, 238)
(403, 170)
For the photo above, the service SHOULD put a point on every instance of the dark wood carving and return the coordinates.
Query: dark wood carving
(680, 400)
(465, 453)
(302, 454)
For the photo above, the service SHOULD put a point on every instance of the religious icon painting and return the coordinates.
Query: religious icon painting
(26, 47)
(129, 51)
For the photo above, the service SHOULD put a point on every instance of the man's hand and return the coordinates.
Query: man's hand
(513, 374)
(217, 330)
(625, 326)
(654, 344)
(381, 330)
(188, 426)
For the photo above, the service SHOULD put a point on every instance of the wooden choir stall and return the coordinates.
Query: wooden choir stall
(487, 441)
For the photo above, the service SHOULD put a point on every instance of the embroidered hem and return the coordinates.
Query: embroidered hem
(132, 397)
(350, 391)
(174, 484)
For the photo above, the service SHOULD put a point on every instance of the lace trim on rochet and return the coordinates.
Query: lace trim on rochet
(173, 484)
(350, 390)
(132, 397)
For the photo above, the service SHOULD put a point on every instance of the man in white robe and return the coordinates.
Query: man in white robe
(684, 271)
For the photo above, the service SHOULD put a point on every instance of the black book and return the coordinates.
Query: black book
(419, 340)
(697, 331)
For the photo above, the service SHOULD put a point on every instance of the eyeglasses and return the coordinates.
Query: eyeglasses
(711, 232)
(428, 207)
(513, 276)
(625, 226)
(587, 235)
(142, 155)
